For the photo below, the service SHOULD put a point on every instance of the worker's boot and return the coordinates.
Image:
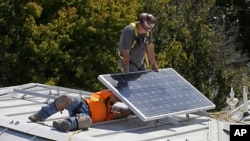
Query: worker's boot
(36, 118)
(62, 125)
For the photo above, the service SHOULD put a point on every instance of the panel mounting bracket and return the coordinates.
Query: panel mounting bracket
(169, 119)
(200, 113)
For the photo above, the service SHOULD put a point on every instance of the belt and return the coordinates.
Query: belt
(88, 106)
(76, 110)
(138, 67)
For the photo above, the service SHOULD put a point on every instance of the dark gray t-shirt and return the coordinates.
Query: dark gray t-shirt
(136, 53)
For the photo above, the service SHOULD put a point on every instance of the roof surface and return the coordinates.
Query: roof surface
(18, 102)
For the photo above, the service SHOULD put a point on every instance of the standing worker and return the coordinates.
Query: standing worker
(136, 41)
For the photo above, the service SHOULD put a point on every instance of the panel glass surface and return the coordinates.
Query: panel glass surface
(155, 95)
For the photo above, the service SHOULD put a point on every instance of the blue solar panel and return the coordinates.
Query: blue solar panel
(155, 95)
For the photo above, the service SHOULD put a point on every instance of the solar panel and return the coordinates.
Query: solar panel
(154, 95)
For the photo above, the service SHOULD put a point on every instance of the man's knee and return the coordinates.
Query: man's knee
(84, 122)
(62, 102)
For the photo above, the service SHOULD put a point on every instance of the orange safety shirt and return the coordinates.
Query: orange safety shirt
(99, 106)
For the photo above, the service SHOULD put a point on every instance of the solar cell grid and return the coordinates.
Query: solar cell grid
(154, 95)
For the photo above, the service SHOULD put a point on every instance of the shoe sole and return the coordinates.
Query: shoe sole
(63, 126)
(32, 119)
(35, 118)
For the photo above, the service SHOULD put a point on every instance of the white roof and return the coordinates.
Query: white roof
(18, 102)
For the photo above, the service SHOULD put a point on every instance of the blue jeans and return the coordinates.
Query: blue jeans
(78, 106)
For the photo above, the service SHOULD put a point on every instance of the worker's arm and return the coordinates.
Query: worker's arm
(126, 60)
(122, 113)
(151, 56)
(120, 110)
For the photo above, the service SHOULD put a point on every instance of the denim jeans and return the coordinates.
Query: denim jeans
(73, 109)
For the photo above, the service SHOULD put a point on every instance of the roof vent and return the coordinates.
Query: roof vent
(232, 101)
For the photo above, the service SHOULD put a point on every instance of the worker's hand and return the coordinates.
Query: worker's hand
(155, 68)
(78, 116)
(122, 113)
(125, 71)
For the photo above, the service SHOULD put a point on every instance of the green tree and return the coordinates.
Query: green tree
(66, 43)
(186, 41)
(233, 16)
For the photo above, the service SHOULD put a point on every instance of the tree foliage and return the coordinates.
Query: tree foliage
(186, 40)
(233, 19)
(67, 43)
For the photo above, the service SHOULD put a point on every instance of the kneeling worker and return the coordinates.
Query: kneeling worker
(82, 112)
